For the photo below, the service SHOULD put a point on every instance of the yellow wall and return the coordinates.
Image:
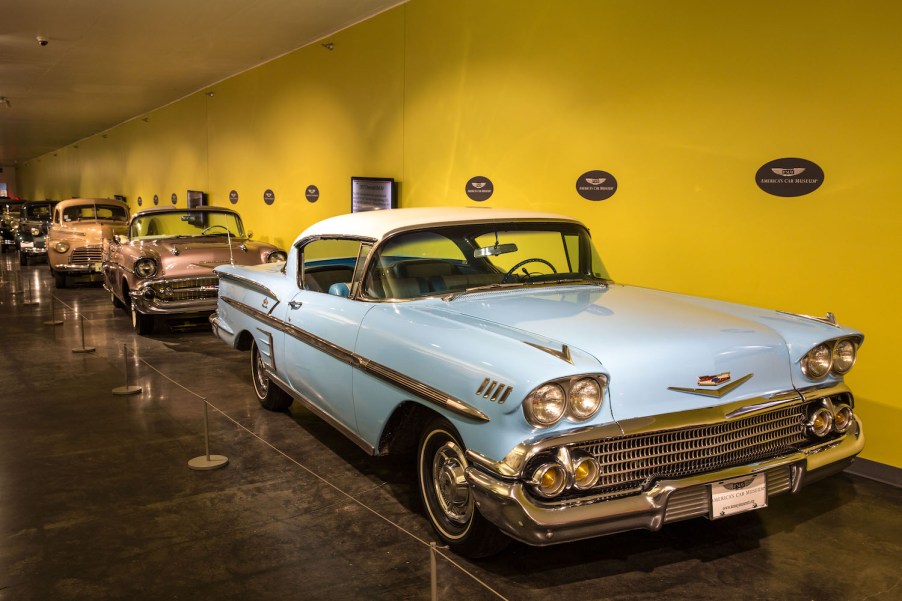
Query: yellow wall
(682, 102)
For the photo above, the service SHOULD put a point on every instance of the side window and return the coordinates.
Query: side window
(327, 265)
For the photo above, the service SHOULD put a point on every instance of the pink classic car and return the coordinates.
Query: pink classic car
(164, 265)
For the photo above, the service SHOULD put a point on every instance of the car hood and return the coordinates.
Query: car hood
(649, 342)
(182, 257)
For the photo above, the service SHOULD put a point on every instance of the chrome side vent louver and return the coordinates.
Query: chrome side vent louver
(494, 391)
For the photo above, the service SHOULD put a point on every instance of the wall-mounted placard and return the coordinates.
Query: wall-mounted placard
(373, 193)
(156, 199)
(311, 193)
(140, 201)
(175, 198)
(233, 197)
(789, 177)
(596, 185)
(269, 196)
(196, 198)
(479, 188)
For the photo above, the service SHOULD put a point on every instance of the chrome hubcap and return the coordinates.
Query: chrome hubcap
(262, 380)
(450, 483)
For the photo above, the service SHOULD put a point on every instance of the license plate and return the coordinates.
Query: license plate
(737, 495)
(97, 267)
(27, 244)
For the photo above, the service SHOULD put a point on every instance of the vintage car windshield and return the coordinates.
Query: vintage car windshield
(94, 212)
(457, 258)
(185, 224)
(37, 212)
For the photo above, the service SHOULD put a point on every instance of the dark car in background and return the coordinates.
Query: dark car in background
(9, 222)
(34, 221)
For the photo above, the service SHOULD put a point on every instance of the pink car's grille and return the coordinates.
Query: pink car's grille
(186, 289)
(86, 255)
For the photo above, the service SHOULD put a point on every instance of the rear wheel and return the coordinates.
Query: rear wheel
(268, 393)
(441, 466)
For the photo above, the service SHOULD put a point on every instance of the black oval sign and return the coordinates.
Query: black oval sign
(312, 193)
(480, 188)
(233, 197)
(789, 177)
(140, 201)
(175, 198)
(596, 185)
(156, 199)
(269, 197)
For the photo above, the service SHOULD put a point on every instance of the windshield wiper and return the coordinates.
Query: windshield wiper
(601, 282)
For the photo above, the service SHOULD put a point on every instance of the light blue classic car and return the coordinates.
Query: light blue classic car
(544, 402)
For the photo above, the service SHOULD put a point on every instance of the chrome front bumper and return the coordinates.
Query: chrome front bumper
(505, 502)
(153, 306)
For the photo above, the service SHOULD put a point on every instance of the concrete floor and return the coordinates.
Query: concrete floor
(97, 500)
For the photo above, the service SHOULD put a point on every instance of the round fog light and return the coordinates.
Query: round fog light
(842, 419)
(585, 472)
(550, 479)
(820, 423)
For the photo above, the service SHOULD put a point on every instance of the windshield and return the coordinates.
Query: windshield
(95, 212)
(37, 212)
(185, 224)
(458, 258)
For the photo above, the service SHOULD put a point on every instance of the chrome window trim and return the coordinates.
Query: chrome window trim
(384, 373)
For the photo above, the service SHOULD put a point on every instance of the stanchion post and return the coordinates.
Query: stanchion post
(207, 461)
(126, 390)
(28, 300)
(432, 571)
(83, 349)
(53, 320)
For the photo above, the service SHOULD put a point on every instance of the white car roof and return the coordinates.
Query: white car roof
(378, 224)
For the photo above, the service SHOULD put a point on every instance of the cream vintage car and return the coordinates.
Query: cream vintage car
(78, 230)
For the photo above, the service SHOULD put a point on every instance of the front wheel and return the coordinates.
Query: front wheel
(269, 394)
(142, 322)
(441, 466)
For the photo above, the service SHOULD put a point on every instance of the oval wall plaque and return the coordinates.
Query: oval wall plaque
(269, 197)
(789, 177)
(156, 199)
(175, 198)
(480, 188)
(312, 193)
(596, 185)
(233, 197)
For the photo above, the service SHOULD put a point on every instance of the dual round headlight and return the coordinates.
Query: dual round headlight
(145, 268)
(836, 356)
(61, 247)
(577, 399)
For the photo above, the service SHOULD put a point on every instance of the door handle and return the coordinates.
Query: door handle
(295, 304)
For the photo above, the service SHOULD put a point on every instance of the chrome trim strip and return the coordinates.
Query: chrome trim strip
(373, 368)
(563, 354)
(717, 393)
(249, 283)
(830, 319)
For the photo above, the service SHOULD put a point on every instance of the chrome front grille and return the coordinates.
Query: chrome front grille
(631, 463)
(186, 289)
(86, 255)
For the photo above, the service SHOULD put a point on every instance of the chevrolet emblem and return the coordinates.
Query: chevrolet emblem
(714, 380)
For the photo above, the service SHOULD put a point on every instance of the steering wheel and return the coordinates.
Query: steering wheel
(511, 271)
(207, 229)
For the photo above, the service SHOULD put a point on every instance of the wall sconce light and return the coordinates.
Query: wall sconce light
(210, 94)
(329, 46)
